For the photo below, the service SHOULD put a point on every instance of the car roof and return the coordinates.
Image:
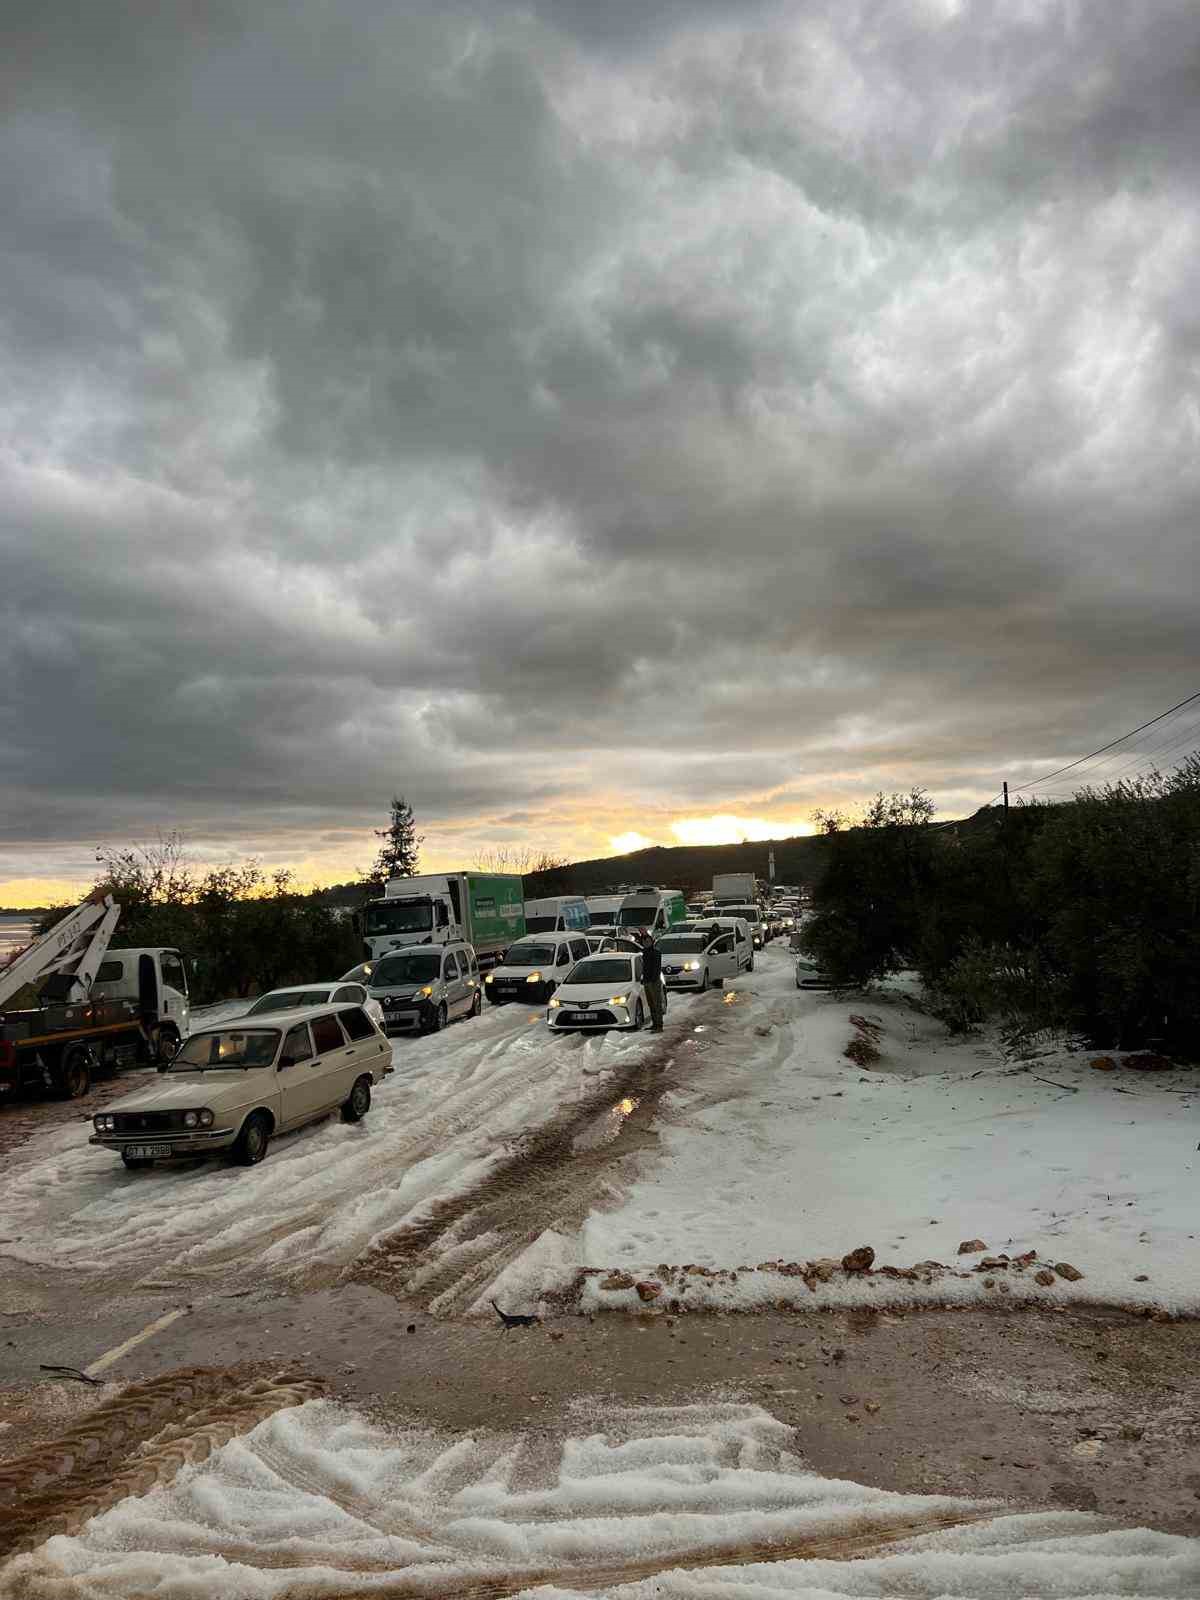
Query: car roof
(300, 988)
(550, 935)
(291, 1014)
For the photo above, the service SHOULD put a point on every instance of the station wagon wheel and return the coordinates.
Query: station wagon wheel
(254, 1140)
(358, 1102)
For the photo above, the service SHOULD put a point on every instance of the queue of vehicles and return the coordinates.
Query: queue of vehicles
(302, 1051)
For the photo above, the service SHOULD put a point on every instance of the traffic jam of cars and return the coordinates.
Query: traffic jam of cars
(435, 949)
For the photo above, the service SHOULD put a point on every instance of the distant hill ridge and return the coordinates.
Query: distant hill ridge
(682, 866)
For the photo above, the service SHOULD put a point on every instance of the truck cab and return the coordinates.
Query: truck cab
(155, 978)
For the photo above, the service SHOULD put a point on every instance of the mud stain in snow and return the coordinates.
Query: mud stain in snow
(553, 1177)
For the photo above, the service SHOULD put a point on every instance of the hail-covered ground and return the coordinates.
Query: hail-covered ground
(700, 1502)
(732, 1164)
(743, 1144)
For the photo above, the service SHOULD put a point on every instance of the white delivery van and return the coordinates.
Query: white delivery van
(602, 909)
(558, 913)
(656, 910)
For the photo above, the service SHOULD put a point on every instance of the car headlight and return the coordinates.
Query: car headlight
(206, 1118)
(191, 1119)
(102, 1124)
(691, 966)
(426, 991)
(618, 1000)
(554, 1004)
(534, 977)
(489, 978)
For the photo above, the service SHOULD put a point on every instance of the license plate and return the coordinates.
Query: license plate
(147, 1152)
(393, 1016)
(587, 1016)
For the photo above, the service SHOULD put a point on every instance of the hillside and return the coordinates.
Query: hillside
(686, 867)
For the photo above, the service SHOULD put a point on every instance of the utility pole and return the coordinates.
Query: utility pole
(1006, 797)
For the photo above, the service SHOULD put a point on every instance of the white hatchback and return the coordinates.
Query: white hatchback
(605, 991)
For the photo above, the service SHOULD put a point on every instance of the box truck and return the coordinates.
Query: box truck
(734, 888)
(487, 909)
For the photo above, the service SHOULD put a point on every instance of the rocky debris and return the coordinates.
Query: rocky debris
(993, 1264)
(1067, 1271)
(1148, 1061)
(648, 1290)
(1102, 1064)
(971, 1247)
(1045, 1277)
(872, 1406)
(617, 1280)
(1142, 1277)
(859, 1260)
(1026, 1260)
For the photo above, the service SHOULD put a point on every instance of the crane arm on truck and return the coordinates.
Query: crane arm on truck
(73, 948)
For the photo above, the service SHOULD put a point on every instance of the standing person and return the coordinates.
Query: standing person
(652, 980)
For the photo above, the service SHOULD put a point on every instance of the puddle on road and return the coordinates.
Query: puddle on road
(606, 1128)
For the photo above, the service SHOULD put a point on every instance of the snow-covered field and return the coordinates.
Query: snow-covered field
(703, 1502)
(769, 1149)
(940, 1142)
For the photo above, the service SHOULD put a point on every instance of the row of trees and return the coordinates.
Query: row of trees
(1083, 916)
(241, 928)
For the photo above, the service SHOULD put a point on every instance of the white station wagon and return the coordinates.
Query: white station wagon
(231, 1088)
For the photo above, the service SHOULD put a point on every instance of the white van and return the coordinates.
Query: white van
(656, 910)
(754, 917)
(558, 913)
(737, 930)
(535, 966)
(603, 908)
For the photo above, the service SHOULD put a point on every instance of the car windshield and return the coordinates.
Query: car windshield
(677, 943)
(411, 966)
(287, 999)
(531, 955)
(230, 1047)
(541, 924)
(636, 916)
(602, 969)
(602, 919)
(386, 916)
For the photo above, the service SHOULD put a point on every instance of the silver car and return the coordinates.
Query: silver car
(423, 988)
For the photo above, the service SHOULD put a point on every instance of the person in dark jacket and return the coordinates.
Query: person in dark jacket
(652, 980)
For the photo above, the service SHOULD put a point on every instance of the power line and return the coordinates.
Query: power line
(1034, 782)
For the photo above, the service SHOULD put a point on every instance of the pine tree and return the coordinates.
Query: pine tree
(401, 848)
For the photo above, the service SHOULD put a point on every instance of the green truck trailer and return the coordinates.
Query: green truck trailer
(487, 909)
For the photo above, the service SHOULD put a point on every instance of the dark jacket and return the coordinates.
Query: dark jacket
(651, 964)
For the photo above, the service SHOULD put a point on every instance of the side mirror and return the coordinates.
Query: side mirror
(286, 1061)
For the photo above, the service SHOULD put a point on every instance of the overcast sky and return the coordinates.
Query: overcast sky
(589, 418)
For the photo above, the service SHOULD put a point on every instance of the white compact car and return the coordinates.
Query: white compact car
(698, 961)
(534, 967)
(343, 992)
(605, 991)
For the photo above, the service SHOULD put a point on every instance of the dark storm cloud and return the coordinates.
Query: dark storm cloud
(720, 405)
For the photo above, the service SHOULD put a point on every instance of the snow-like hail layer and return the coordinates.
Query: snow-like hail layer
(939, 1142)
(452, 1108)
(692, 1501)
(771, 1146)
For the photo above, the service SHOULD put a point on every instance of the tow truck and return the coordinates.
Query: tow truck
(98, 1009)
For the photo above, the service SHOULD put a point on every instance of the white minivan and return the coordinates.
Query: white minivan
(534, 967)
(715, 930)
